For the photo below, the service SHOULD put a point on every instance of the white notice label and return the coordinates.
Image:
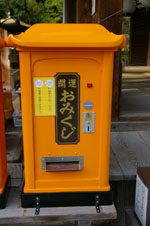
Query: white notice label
(141, 197)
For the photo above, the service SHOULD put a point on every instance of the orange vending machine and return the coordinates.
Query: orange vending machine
(66, 85)
(3, 167)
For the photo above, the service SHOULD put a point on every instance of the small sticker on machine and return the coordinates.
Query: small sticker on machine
(44, 96)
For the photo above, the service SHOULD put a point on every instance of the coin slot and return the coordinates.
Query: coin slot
(88, 122)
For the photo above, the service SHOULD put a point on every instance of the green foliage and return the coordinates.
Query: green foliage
(126, 25)
(54, 7)
(3, 9)
(30, 11)
(126, 30)
(18, 10)
(124, 58)
(54, 4)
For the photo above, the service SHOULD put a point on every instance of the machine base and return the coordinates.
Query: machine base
(4, 195)
(65, 199)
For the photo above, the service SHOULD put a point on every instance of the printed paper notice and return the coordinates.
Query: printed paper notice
(44, 96)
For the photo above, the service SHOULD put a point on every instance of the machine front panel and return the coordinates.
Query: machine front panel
(74, 130)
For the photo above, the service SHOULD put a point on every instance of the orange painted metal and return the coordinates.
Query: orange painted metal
(3, 167)
(44, 51)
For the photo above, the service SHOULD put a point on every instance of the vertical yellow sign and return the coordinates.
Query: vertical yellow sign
(44, 96)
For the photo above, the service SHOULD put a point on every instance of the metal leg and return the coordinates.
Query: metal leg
(84, 223)
(97, 204)
(37, 206)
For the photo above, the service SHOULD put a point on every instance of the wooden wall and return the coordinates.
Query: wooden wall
(83, 13)
(109, 14)
(140, 37)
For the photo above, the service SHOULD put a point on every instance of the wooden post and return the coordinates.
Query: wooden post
(70, 11)
(83, 12)
(110, 16)
(116, 94)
